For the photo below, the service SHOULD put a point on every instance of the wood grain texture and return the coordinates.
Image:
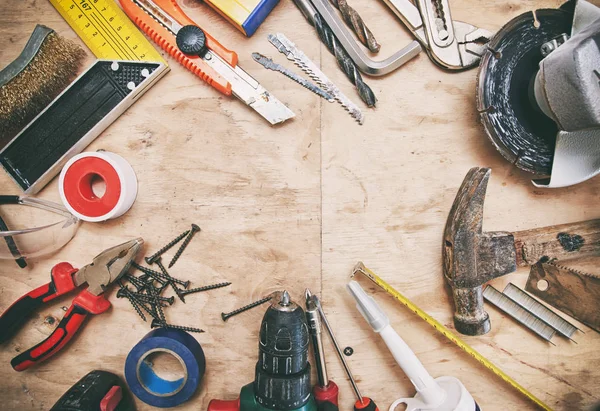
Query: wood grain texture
(297, 206)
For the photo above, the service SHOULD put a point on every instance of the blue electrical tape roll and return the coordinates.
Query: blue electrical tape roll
(149, 387)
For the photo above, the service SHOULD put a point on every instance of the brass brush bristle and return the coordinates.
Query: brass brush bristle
(36, 83)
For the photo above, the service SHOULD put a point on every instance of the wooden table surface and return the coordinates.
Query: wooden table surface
(297, 206)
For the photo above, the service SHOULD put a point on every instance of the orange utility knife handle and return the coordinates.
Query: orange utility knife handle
(166, 40)
(85, 303)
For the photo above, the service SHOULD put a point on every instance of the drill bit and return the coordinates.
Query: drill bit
(271, 65)
(356, 23)
(293, 53)
(344, 61)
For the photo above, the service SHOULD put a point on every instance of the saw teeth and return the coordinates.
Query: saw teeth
(561, 267)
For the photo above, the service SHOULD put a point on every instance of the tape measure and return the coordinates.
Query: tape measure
(106, 30)
(360, 268)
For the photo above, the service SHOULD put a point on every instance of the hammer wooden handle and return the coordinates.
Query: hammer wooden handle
(563, 241)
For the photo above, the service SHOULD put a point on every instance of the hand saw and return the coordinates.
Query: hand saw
(169, 27)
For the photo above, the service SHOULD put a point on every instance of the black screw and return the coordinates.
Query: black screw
(157, 323)
(124, 292)
(205, 288)
(150, 260)
(185, 243)
(138, 283)
(152, 299)
(157, 307)
(348, 351)
(171, 280)
(151, 273)
(225, 316)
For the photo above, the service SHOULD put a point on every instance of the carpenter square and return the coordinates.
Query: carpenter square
(472, 257)
(271, 65)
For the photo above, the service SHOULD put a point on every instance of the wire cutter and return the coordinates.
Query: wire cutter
(451, 44)
(169, 27)
(106, 268)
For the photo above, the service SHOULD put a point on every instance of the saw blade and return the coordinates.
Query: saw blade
(573, 292)
(516, 127)
(293, 53)
(271, 65)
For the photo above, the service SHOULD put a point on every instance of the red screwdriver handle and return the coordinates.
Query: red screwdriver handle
(327, 394)
(85, 303)
(367, 404)
(221, 405)
(61, 283)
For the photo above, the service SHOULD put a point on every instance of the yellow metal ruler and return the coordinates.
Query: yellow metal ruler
(106, 30)
(360, 268)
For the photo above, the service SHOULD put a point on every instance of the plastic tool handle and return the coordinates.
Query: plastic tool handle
(85, 303)
(367, 404)
(166, 40)
(327, 397)
(220, 405)
(17, 313)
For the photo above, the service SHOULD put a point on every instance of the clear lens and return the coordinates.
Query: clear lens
(53, 228)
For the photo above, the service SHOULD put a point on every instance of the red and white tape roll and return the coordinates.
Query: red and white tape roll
(77, 193)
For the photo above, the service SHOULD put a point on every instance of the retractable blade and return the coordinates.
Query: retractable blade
(271, 65)
(293, 53)
(168, 26)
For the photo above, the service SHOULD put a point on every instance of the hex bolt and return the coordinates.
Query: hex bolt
(225, 316)
(158, 323)
(185, 243)
(150, 260)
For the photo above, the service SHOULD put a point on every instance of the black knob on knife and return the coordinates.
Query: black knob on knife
(191, 40)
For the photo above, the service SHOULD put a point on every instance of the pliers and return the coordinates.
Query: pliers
(106, 268)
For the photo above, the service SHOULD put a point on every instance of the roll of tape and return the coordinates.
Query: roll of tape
(77, 194)
(156, 391)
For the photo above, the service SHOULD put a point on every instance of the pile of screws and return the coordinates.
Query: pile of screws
(146, 298)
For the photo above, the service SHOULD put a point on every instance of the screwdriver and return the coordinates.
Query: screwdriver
(325, 392)
(362, 403)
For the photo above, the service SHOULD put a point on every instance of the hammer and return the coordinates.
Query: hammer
(471, 257)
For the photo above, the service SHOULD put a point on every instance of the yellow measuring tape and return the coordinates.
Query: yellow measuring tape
(106, 30)
(360, 268)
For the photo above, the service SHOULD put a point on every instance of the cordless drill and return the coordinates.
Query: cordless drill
(282, 375)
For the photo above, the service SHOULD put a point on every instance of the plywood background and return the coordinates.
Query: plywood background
(297, 206)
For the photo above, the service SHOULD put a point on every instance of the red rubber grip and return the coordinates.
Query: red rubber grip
(221, 405)
(85, 303)
(327, 394)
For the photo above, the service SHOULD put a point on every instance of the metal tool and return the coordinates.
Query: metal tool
(106, 268)
(451, 44)
(439, 394)
(360, 268)
(348, 51)
(75, 118)
(196, 50)
(573, 292)
(325, 391)
(293, 53)
(343, 59)
(353, 19)
(545, 314)
(529, 320)
(282, 373)
(106, 30)
(472, 257)
(271, 65)
(362, 403)
(537, 93)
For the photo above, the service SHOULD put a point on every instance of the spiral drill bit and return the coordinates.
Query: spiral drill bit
(344, 61)
(354, 21)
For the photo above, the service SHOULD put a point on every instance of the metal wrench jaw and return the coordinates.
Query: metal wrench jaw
(472, 43)
(108, 266)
